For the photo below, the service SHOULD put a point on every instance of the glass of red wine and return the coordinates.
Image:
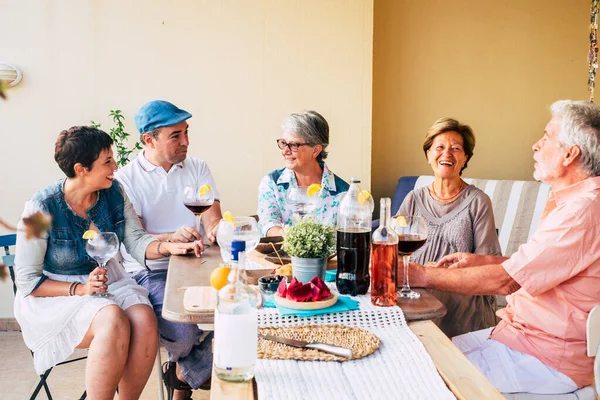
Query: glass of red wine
(412, 235)
(198, 200)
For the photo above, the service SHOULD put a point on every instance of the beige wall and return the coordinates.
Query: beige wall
(238, 66)
(495, 65)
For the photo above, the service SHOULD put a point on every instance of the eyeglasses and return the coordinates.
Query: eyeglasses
(293, 146)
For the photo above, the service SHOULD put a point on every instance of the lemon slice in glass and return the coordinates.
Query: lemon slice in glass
(363, 196)
(401, 221)
(313, 189)
(89, 234)
(228, 217)
(203, 190)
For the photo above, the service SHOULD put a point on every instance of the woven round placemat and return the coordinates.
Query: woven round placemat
(359, 340)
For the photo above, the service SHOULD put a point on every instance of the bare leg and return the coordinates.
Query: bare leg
(142, 351)
(108, 342)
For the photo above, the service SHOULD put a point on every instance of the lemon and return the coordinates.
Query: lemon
(89, 234)
(285, 270)
(363, 196)
(203, 190)
(401, 221)
(228, 217)
(218, 278)
(313, 189)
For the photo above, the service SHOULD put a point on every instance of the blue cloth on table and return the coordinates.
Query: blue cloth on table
(344, 303)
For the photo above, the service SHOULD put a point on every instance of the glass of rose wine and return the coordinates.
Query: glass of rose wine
(198, 200)
(412, 235)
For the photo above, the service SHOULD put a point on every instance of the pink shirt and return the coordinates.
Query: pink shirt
(559, 273)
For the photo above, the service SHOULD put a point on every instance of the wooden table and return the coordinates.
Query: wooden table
(461, 377)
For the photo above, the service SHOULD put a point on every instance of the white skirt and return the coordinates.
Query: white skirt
(53, 326)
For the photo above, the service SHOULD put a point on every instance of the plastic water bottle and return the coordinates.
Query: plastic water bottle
(236, 323)
(354, 240)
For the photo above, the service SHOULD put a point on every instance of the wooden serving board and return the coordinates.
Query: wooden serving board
(200, 299)
(203, 299)
(306, 305)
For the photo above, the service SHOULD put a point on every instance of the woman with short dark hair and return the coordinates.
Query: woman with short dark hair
(56, 279)
(460, 218)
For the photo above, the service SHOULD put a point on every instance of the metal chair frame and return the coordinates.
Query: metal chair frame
(8, 259)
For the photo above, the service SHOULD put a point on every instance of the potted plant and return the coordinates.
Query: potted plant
(309, 244)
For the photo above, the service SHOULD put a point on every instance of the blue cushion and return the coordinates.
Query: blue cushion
(405, 185)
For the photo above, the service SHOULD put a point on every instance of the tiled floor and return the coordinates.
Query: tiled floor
(17, 375)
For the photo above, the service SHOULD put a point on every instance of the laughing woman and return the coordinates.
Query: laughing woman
(56, 280)
(460, 218)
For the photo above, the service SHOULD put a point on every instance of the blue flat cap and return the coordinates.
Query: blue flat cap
(158, 113)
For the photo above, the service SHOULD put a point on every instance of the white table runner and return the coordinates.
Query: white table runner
(399, 369)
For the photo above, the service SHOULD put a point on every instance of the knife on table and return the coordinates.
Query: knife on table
(326, 348)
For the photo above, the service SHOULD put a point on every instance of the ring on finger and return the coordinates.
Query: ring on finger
(97, 276)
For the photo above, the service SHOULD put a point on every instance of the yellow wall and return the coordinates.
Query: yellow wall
(495, 65)
(238, 66)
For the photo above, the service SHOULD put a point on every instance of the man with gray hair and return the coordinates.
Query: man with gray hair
(553, 280)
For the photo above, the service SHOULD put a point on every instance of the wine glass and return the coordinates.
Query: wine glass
(102, 248)
(198, 200)
(244, 228)
(300, 202)
(412, 235)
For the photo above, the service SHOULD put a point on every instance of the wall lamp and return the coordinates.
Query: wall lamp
(10, 74)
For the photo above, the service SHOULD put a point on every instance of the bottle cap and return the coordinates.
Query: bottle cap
(354, 179)
(236, 247)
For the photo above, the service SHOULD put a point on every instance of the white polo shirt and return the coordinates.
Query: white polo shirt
(157, 197)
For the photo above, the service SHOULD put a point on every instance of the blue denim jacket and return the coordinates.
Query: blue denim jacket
(62, 251)
(66, 253)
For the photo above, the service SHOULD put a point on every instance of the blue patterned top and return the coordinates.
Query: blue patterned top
(273, 189)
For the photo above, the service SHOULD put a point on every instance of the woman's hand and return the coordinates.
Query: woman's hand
(183, 248)
(97, 283)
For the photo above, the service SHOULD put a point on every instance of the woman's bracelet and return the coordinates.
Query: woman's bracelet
(73, 287)
(158, 250)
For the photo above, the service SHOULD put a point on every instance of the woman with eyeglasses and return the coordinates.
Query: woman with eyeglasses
(303, 147)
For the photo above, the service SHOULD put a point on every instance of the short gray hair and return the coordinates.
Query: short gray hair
(310, 126)
(153, 133)
(580, 125)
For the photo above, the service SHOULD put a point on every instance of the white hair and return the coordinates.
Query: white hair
(310, 126)
(580, 126)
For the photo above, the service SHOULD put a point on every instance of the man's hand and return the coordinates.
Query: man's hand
(461, 260)
(212, 234)
(416, 274)
(186, 234)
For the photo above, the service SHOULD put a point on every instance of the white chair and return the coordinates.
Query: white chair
(593, 350)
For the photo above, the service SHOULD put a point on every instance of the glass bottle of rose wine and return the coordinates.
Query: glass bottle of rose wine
(384, 259)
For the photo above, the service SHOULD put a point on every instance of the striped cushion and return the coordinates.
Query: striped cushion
(518, 207)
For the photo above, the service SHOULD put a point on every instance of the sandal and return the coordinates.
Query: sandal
(171, 381)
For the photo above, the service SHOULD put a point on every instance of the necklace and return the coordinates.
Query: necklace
(449, 198)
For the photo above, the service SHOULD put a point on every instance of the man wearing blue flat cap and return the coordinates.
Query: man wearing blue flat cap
(155, 182)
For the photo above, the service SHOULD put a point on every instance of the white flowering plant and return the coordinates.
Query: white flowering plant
(307, 238)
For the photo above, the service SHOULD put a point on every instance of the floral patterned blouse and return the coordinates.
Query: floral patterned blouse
(273, 189)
